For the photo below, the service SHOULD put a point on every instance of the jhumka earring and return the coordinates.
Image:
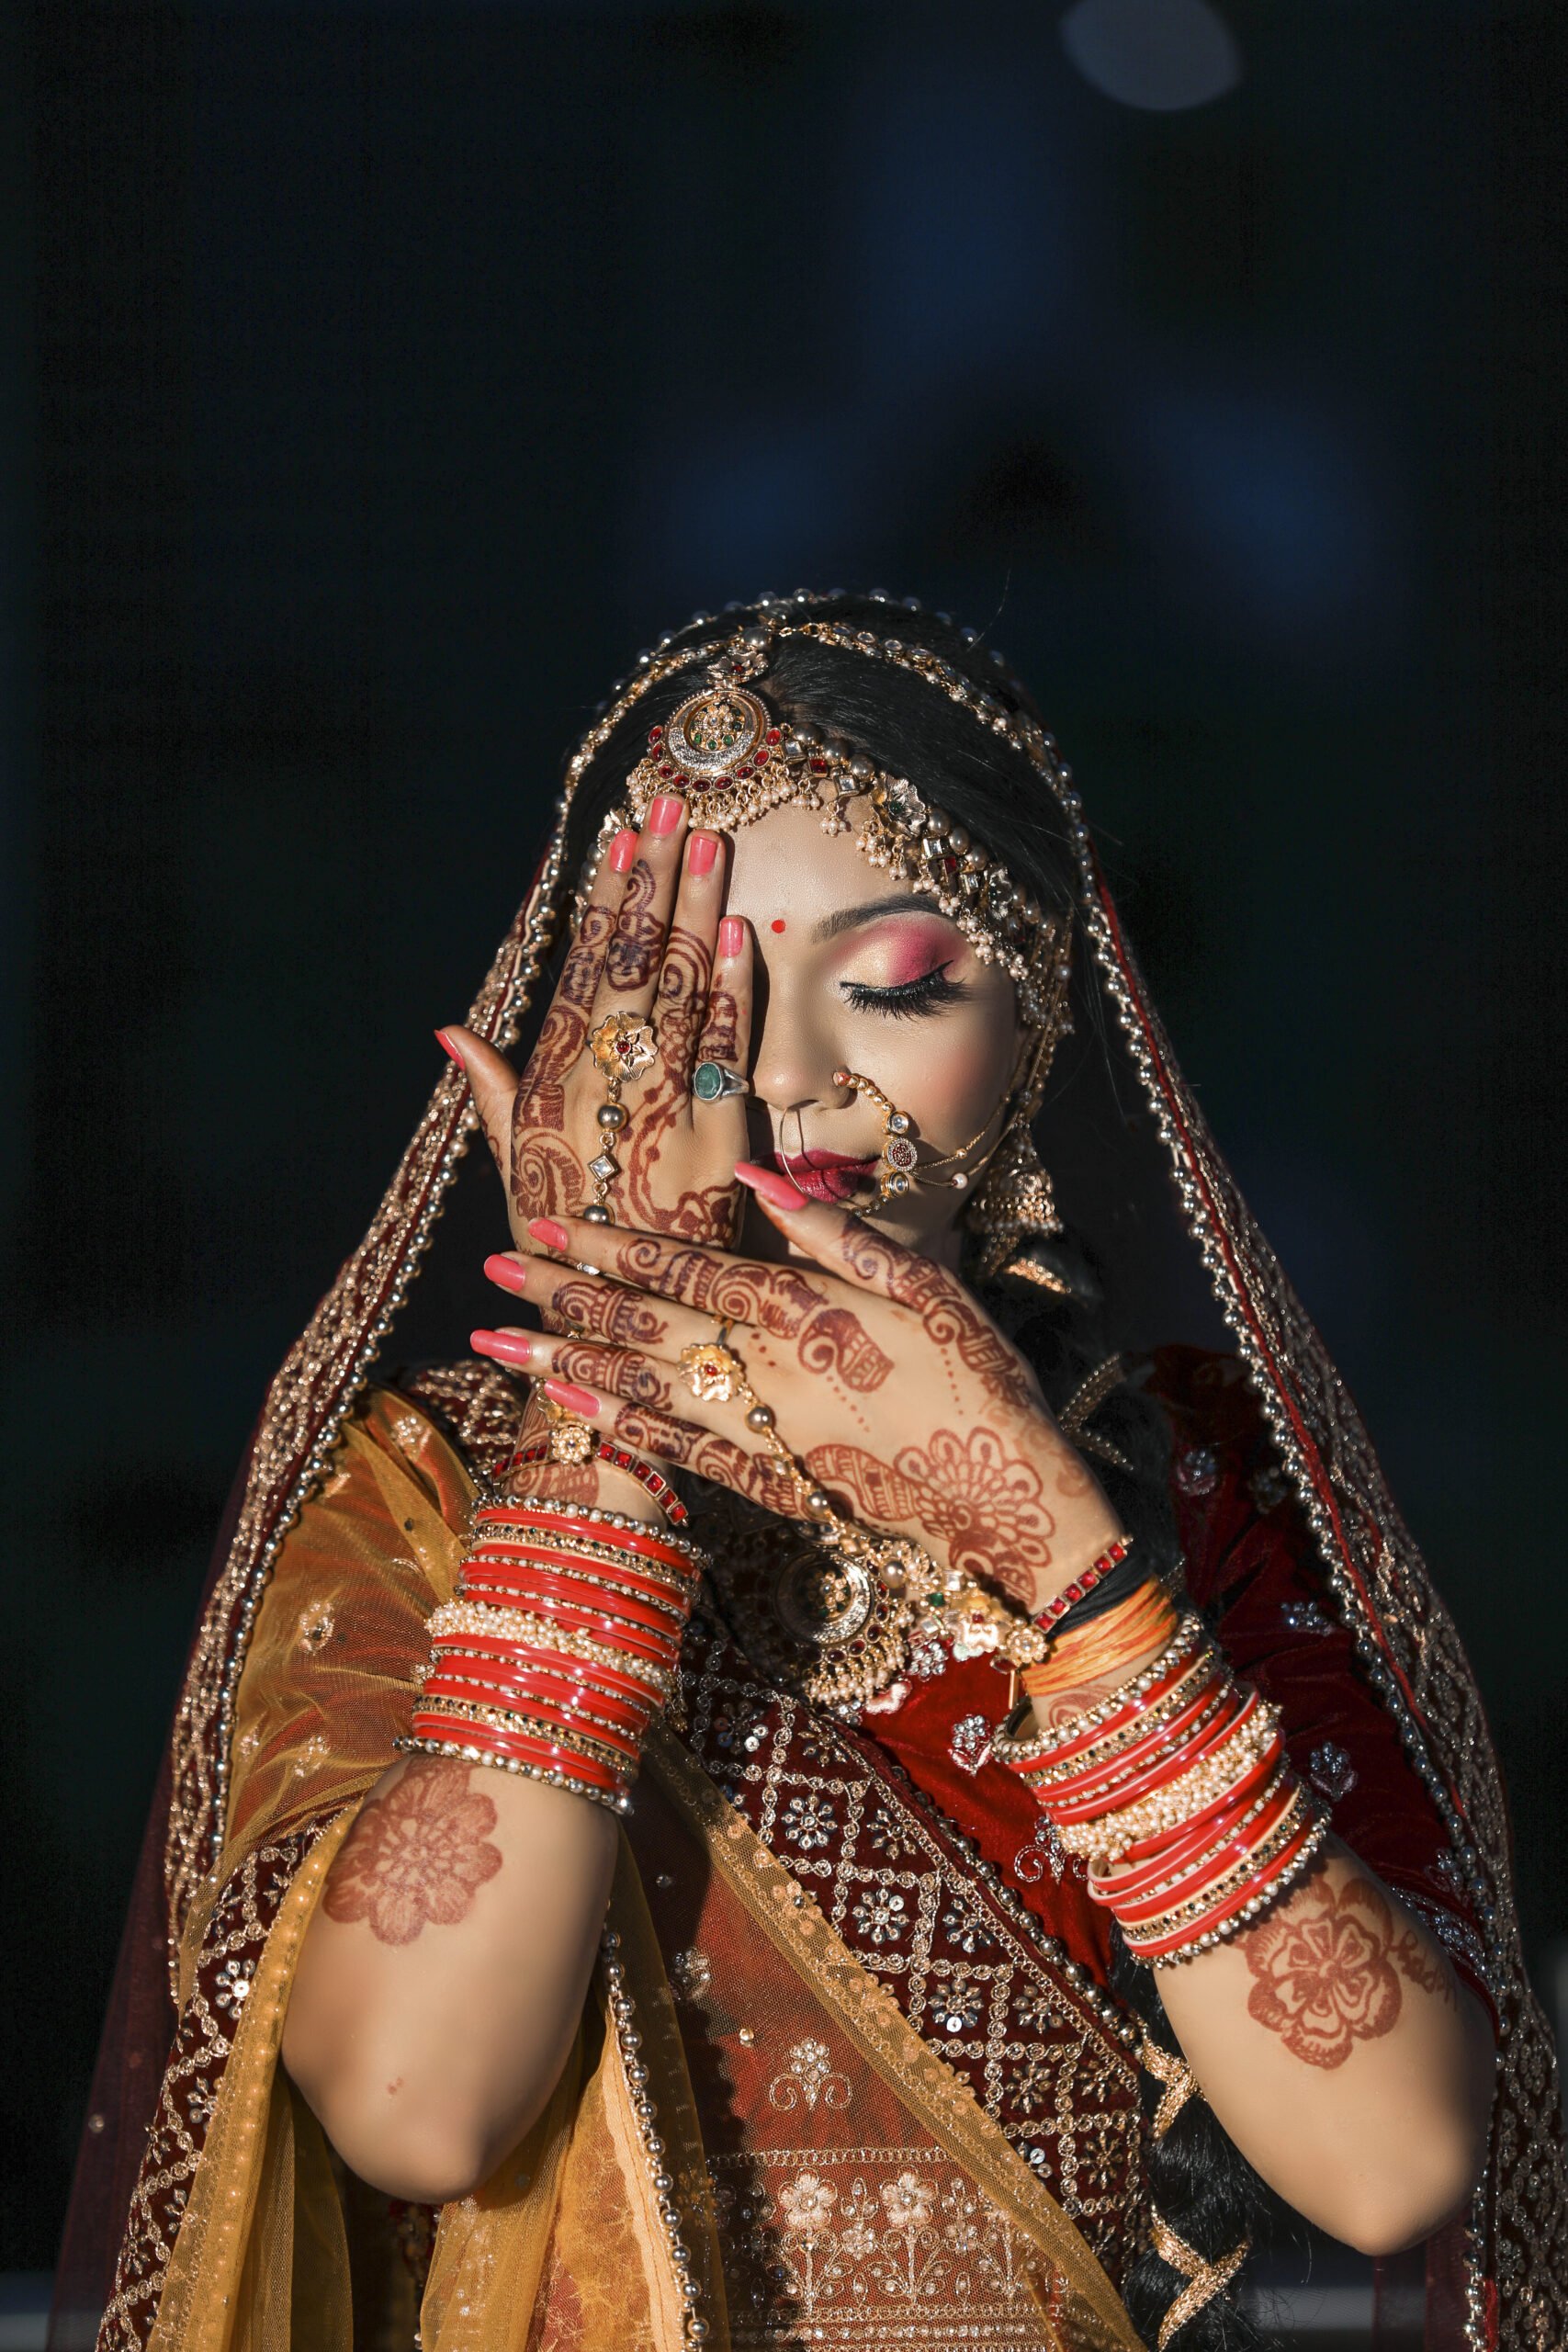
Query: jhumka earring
(1017, 1204)
(899, 1165)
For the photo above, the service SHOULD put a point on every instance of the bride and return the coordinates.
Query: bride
(877, 1758)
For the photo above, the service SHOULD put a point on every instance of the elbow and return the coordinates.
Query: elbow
(1429, 2183)
(423, 2144)
(424, 2152)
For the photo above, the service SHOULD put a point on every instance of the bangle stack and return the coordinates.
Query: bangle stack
(1178, 1792)
(559, 1647)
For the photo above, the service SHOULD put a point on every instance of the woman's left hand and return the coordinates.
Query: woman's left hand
(884, 1378)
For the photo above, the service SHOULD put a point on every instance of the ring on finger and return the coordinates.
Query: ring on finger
(715, 1083)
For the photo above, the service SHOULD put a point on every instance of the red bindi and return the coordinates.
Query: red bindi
(777, 923)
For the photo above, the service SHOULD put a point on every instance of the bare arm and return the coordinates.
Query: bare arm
(1339, 2051)
(443, 1977)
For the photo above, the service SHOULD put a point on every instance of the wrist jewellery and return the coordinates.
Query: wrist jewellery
(867, 1604)
(1175, 1790)
(559, 1647)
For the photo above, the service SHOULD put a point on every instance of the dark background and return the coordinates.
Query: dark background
(386, 376)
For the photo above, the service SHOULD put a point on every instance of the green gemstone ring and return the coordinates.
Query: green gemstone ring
(711, 1082)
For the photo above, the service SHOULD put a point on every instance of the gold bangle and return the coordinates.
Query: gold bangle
(539, 1727)
(546, 1633)
(1182, 1800)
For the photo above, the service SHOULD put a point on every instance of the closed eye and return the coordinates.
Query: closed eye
(911, 1000)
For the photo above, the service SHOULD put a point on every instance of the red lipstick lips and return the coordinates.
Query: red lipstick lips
(824, 1175)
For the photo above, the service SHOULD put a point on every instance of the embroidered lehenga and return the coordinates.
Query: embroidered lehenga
(852, 2072)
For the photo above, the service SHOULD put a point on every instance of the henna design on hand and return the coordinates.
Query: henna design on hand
(950, 1317)
(984, 1504)
(602, 1310)
(417, 1855)
(718, 1459)
(829, 1339)
(548, 1177)
(1326, 1970)
(720, 1041)
(632, 956)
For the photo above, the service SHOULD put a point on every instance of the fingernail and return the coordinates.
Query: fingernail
(507, 1273)
(622, 849)
(700, 851)
(510, 1347)
(572, 1399)
(776, 1190)
(731, 935)
(665, 814)
(444, 1041)
(545, 1231)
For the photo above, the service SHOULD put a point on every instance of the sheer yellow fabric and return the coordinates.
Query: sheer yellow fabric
(888, 2169)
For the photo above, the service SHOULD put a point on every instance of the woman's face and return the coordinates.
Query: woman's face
(856, 972)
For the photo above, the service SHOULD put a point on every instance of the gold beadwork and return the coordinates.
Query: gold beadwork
(1205, 2280)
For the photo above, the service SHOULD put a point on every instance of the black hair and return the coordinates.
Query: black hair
(1197, 2178)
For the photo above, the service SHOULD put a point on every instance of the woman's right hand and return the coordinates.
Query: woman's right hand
(651, 943)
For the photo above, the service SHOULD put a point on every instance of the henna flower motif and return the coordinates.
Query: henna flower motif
(991, 1509)
(417, 1854)
(1326, 1974)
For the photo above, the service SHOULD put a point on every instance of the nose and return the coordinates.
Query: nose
(794, 1067)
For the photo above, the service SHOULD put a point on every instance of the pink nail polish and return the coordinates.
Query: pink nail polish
(572, 1399)
(446, 1046)
(665, 814)
(548, 1233)
(507, 1273)
(701, 852)
(777, 1190)
(731, 935)
(507, 1347)
(622, 849)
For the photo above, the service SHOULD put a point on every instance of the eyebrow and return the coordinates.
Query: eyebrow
(833, 926)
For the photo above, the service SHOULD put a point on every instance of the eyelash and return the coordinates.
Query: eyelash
(932, 992)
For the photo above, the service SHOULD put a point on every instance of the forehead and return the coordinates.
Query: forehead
(786, 869)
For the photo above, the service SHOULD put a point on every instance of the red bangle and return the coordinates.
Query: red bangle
(565, 1520)
(1272, 1874)
(1170, 1766)
(646, 1575)
(521, 1690)
(652, 1481)
(1156, 1862)
(1209, 1700)
(508, 1650)
(1128, 1713)
(563, 1584)
(1133, 1897)
(659, 1648)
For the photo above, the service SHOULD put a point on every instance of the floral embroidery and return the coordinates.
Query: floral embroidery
(1330, 1770)
(808, 2075)
(880, 1916)
(970, 1743)
(808, 1822)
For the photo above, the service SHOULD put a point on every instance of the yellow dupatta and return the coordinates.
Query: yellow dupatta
(569, 2246)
